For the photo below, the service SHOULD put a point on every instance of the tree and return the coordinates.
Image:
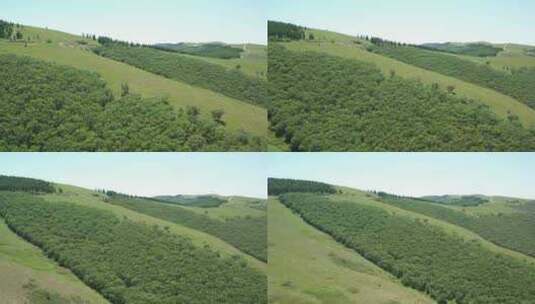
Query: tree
(18, 35)
(217, 115)
(311, 36)
(125, 89)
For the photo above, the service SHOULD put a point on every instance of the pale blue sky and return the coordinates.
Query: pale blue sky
(146, 174)
(415, 174)
(147, 21)
(416, 21)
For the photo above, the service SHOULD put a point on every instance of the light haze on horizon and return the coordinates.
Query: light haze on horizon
(415, 174)
(146, 174)
(416, 21)
(147, 21)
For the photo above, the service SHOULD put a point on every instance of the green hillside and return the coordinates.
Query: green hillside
(304, 71)
(74, 51)
(58, 222)
(455, 265)
(308, 266)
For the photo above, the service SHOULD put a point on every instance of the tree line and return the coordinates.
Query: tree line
(129, 262)
(48, 107)
(10, 30)
(247, 233)
(328, 103)
(518, 83)
(280, 31)
(277, 186)
(24, 184)
(232, 83)
(421, 255)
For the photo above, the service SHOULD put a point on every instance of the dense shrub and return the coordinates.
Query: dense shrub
(285, 31)
(462, 200)
(128, 262)
(47, 107)
(248, 234)
(13, 183)
(193, 71)
(213, 50)
(422, 256)
(517, 83)
(327, 103)
(469, 49)
(277, 186)
(515, 230)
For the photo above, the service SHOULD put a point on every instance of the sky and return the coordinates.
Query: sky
(147, 21)
(415, 174)
(146, 174)
(415, 21)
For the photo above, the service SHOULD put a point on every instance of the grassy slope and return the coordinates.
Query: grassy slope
(344, 46)
(234, 207)
(359, 197)
(65, 50)
(308, 266)
(21, 262)
(89, 198)
(253, 60)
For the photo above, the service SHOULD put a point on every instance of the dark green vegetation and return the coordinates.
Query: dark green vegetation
(6, 29)
(514, 230)
(197, 72)
(530, 52)
(517, 83)
(462, 200)
(23, 184)
(328, 103)
(469, 49)
(128, 262)
(48, 107)
(248, 233)
(277, 186)
(447, 268)
(200, 201)
(279, 31)
(213, 50)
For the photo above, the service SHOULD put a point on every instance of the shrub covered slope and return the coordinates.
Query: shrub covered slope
(48, 107)
(129, 262)
(447, 267)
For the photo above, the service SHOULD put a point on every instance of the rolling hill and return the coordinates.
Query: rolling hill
(456, 265)
(318, 77)
(87, 229)
(238, 117)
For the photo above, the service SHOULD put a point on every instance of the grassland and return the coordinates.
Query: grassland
(252, 62)
(92, 199)
(307, 266)
(353, 48)
(22, 263)
(66, 49)
(235, 206)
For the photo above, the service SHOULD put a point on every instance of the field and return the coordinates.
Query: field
(22, 263)
(67, 50)
(308, 266)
